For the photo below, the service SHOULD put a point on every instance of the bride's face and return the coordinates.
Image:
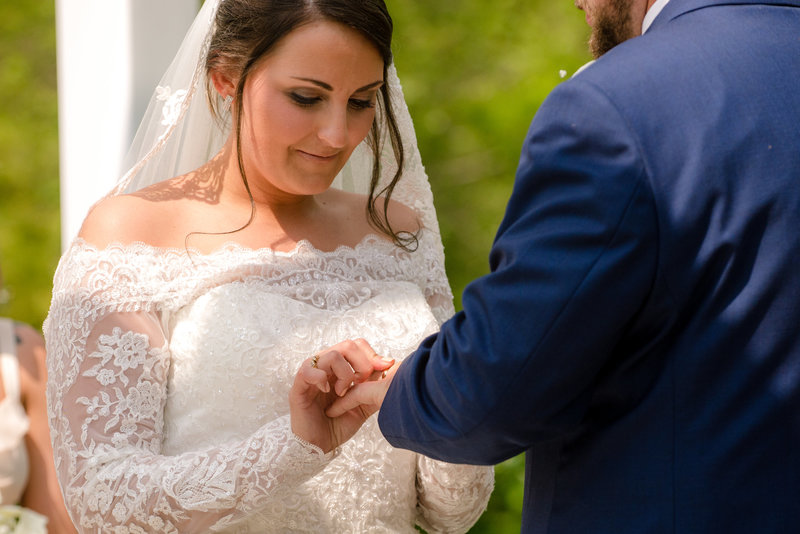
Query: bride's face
(306, 106)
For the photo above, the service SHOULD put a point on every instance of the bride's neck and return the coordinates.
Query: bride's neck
(224, 168)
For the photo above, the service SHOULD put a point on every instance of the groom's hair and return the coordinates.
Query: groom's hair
(248, 30)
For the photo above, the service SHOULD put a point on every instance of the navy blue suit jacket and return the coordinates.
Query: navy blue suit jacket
(639, 333)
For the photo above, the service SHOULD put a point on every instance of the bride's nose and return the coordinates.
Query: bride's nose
(332, 127)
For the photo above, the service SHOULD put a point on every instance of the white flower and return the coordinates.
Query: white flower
(18, 520)
(119, 512)
(98, 499)
(120, 440)
(106, 377)
(144, 401)
(128, 349)
(156, 523)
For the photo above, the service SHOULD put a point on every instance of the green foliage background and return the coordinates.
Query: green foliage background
(474, 73)
(29, 214)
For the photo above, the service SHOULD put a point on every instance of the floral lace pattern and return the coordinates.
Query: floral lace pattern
(172, 104)
(168, 388)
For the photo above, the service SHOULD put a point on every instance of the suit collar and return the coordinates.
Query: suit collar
(676, 8)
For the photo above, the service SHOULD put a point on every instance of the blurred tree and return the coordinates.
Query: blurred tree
(474, 73)
(29, 214)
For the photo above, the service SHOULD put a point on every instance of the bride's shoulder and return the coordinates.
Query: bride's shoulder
(130, 218)
(112, 219)
(402, 217)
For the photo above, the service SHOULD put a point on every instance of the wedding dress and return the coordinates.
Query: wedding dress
(172, 377)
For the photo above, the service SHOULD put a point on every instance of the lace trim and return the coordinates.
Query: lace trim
(133, 277)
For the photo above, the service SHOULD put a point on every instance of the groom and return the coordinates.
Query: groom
(639, 334)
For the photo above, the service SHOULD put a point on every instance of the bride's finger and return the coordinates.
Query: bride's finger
(310, 375)
(362, 357)
(368, 396)
(375, 361)
(345, 375)
(361, 361)
(338, 370)
(343, 371)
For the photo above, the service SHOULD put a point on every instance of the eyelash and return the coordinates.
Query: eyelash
(358, 104)
(304, 101)
(307, 102)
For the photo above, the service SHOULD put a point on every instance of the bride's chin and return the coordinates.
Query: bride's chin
(311, 187)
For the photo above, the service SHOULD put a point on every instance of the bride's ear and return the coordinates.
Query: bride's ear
(223, 83)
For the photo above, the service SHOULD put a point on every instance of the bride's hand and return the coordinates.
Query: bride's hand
(367, 397)
(326, 377)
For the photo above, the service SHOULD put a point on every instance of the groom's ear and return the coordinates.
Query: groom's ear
(223, 82)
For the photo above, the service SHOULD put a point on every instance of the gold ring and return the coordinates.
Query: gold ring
(314, 361)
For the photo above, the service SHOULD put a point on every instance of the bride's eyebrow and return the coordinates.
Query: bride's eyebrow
(328, 87)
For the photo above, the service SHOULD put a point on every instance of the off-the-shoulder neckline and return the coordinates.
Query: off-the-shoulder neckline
(302, 246)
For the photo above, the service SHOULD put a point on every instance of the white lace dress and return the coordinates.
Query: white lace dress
(168, 390)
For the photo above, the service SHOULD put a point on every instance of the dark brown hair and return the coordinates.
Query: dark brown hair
(247, 30)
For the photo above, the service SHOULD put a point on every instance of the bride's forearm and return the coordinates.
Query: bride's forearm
(193, 492)
(452, 496)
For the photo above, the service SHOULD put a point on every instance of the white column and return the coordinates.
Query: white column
(111, 54)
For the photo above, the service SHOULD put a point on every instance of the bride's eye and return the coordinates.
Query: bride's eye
(304, 101)
(359, 104)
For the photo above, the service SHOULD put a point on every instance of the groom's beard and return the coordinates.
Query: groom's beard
(611, 26)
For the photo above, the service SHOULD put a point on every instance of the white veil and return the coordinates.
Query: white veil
(179, 133)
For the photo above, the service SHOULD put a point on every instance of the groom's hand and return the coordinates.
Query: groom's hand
(366, 397)
(324, 378)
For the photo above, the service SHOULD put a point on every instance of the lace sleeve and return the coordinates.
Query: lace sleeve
(108, 361)
(451, 497)
(432, 276)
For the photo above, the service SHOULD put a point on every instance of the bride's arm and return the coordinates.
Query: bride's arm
(106, 395)
(433, 280)
(451, 497)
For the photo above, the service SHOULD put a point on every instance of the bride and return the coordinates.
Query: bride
(299, 215)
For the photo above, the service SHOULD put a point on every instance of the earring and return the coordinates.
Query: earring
(226, 104)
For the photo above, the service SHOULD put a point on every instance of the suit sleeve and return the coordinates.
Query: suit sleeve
(573, 261)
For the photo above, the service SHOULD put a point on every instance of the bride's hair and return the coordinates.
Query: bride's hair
(247, 30)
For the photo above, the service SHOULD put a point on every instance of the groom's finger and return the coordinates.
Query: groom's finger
(379, 363)
(375, 363)
(363, 396)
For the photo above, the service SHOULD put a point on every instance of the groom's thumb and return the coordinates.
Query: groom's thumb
(382, 363)
(366, 396)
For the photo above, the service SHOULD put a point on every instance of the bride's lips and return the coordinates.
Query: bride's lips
(322, 158)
